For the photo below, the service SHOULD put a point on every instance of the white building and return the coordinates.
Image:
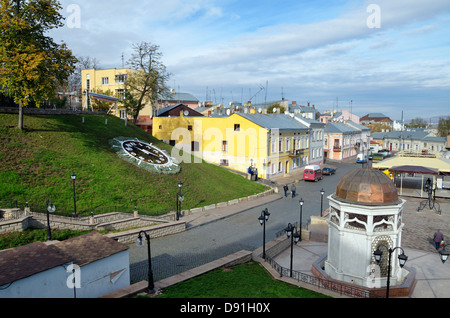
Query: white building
(316, 139)
(87, 266)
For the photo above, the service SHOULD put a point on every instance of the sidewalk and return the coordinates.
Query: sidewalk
(207, 216)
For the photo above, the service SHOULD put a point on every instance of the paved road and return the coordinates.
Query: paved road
(176, 253)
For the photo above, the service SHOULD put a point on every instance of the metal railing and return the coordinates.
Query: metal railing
(318, 282)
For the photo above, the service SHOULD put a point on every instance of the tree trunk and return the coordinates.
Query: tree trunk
(20, 125)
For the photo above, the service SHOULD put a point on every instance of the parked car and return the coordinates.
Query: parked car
(328, 171)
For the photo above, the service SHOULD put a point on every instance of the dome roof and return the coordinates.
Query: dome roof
(367, 187)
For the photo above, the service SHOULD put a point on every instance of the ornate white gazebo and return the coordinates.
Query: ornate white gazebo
(365, 215)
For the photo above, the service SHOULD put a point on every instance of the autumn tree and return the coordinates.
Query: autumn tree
(147, 82)
(32, 65)
(276, 108)
(444, 126)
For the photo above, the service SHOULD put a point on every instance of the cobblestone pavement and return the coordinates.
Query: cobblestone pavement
(421, 225)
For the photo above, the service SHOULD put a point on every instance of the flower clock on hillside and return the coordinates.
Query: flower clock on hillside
(144, 155)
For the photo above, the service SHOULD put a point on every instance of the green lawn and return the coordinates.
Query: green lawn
(249, 280)
(36, 164)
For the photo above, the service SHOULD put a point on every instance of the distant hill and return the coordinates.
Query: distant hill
(36, 164)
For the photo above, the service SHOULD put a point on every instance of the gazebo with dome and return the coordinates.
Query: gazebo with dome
(365, 213)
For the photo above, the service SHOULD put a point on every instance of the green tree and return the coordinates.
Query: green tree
(147, 83)
(417, 123)
(444, 126)
(32, 65)
(279, 109)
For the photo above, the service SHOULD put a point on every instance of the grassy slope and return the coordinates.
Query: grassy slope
(36, 164)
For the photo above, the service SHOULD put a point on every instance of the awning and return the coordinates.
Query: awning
(415, 169)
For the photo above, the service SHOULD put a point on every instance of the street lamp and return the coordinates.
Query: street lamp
(140, 243)
(291, 232)
(402, 260)
(301, 213)
(73, 176)
(322, 192)
(50, 209)
(444, 254)
(180, 199)
(262, 220)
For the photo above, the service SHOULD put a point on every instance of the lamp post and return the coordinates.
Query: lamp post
(301, 217)
(291, 232)
(140, 243)
(402, 260)
(262, 220)
(73, 176)
(444, 254)
(50, 209)
(322, 192)
(180, 199)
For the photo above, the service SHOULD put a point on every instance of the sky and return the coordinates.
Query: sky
(376, 56)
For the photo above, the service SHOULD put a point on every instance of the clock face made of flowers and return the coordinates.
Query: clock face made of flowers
(144, 155)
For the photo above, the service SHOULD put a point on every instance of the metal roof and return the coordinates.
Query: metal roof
(331, 127)
(274, 121)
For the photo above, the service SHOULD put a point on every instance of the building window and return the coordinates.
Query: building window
(280, 145)
(120, 94)
(237, 127)
(121, 78)
(195, 146)
(224, 146)
(105, 80)
(123, 114)
(190, 127)
(160, 127)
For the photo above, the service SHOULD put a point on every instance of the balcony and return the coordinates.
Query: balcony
(337, 148)
(296, 153)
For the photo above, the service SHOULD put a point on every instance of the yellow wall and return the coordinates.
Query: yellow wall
(250, 145)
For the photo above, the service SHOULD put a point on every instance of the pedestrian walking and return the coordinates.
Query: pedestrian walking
(293, 189)
(285, 190)
(438, 238)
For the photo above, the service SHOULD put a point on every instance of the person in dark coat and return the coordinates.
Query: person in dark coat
(293, 189)
(438, 238)
(285, 188)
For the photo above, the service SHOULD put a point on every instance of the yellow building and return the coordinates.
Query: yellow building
(113, 80)
(271, 144)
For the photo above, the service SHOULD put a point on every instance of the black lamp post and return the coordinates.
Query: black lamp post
(291, 232)
(301, 217)
(402, 260)
(262, 220)
(140, 243)
(50, 209)
(180, 198)
(444, 254)
(73, 176)
(322, 192)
